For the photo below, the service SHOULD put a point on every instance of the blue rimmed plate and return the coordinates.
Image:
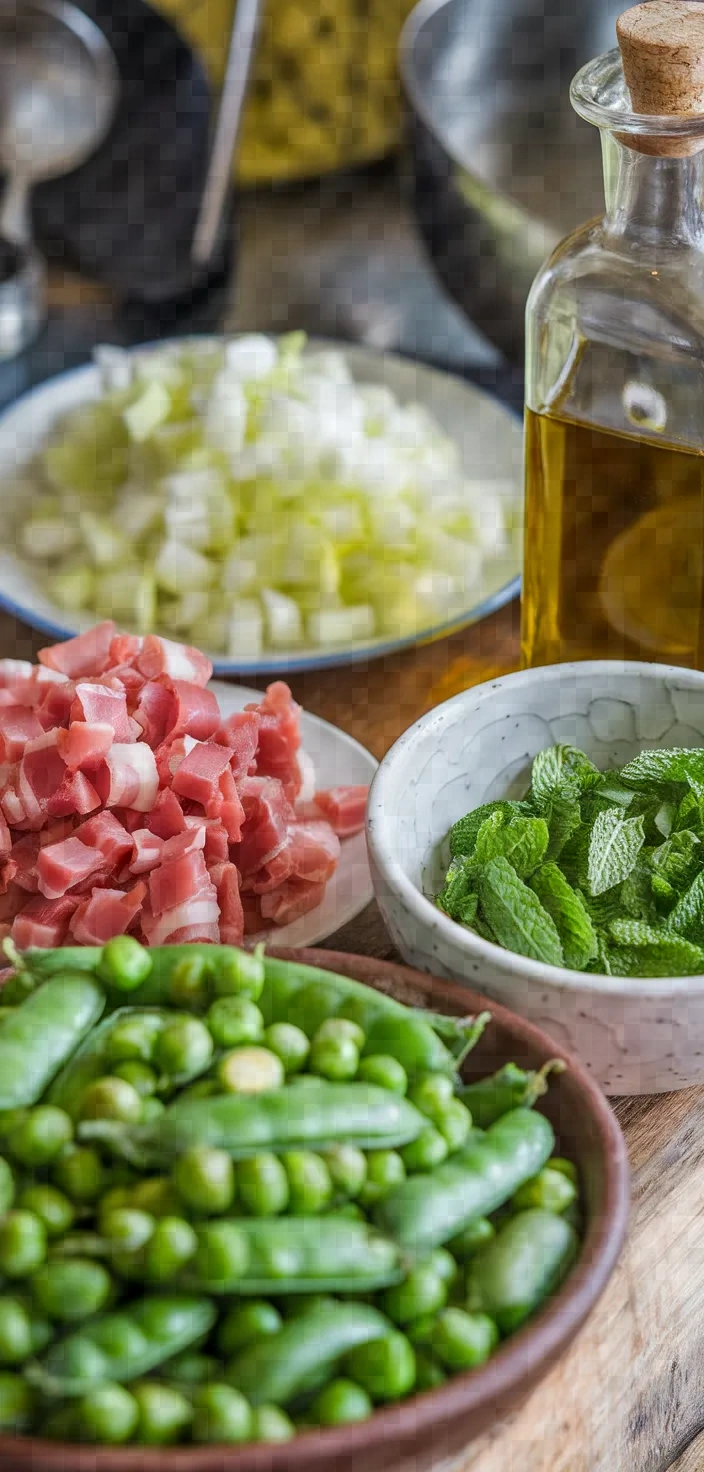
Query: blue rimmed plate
(488, 435)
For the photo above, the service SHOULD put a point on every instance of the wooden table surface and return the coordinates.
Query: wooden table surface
(629, 1396)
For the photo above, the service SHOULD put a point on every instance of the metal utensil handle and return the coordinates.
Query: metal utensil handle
(15, 223)
(245, 24)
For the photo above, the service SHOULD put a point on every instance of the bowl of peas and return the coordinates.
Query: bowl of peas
(283, 1210)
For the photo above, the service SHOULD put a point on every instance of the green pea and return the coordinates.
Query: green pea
(385, 1368)
(240, 973)
(443, 1263)
(270, 1423)
(385, 1071)
(385, 1171)
(222, 1254)
(348, 1168)
(422, 1292)
(16, 1401)
(51, 1206)
(22, 1243)
(191, 1368)
(132, 1039)
(184, 1049)
(126, 1228)
(309, 1183)
(16, 1342)
(336, 1059)
(204, 1178)
(108, 1415)
(152, 1109)
(235, 1020)
(475, 1235)
(172, 1244)
(246, 1323)
(189, 984)
(565, 1167)
(40, 1136)
(111, 1098)
(429, 1374)
(262, 1185)
(221, 1414)
(124, 963)
(419, 1331)
(203, 1088)
(250, 1070)
(71, 1288)
(551, 1190)
(340, 1404)
(80, 1173)
(431, 1094)
(427, 1151)
(163, 1412)
(351, 1211)
(341, 1028)
(7, 1186)
(157, 1195)
(139, 1075)
(454, 1124)
(116, 1197)
(462, 1341)
(289, 1043)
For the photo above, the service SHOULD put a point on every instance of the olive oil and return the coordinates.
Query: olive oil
(614, 546)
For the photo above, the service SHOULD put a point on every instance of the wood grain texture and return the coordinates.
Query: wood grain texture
(629, 1396)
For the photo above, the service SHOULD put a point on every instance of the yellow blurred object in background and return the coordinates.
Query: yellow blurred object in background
(324, 92)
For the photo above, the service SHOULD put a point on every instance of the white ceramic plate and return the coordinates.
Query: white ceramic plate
(488, 434)
(339, 761)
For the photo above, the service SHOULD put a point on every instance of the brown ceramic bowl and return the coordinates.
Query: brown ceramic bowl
(431, 1426)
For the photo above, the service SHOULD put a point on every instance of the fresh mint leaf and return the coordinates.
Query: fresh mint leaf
(688, 914)
(603, 907)
(661, 768)
(564, 821)
(561, 771)
(613, 790)
(658, 952)
(468, 910)
(516, 916)
(664, 818)
(523, 842)
(689, 813)
(463, 834)
(566, 907)
(635, 895)
(678, 858)
(614, 845)
(663, 893)
(484, 930)
(459, 884)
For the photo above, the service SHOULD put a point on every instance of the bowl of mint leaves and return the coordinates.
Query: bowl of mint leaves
(542, 838)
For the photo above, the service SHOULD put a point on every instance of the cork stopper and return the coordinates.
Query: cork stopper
(662, 50)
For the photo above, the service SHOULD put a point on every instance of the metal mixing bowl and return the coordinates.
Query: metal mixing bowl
(502, 166)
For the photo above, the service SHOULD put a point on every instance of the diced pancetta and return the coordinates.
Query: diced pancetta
(294, 898)
(153, 711)
(61, 865)
(83, 747)
(279, 738)
(41, 772)
(106, 833)
(241, 733)
(179, 661)
(198, 774)
(128, 777)
(147, 851)
(311, 852)
(43, 922)
(267, 814)
(195, 920)
(194, 711)
(344, 808)
(100, 706)
(166, 816)
(18, 725)
(86, 654)
(107, 913)
(75, 795)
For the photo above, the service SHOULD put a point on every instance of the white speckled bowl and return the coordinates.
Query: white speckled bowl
(635, 1036)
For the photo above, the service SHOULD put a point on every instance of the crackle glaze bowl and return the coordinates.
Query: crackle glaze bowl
(636, 1036)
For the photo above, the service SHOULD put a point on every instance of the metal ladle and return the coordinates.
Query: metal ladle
(59, 85)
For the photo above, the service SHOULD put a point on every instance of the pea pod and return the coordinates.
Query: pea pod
(154, 991)
(40, 1035)
(91, 1061)
(283, 1119)
(122, 1346)
(526, 1262)
(320, 1254)
(279, 1368)
(307, 996)
(510, 1087)
(424, 1212)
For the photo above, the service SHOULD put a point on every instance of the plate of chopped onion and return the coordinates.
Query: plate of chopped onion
(137, 797)
(282, 505)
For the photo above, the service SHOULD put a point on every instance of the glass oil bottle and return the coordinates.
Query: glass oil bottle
(614, 545)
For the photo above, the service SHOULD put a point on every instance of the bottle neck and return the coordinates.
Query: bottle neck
(651, 199)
